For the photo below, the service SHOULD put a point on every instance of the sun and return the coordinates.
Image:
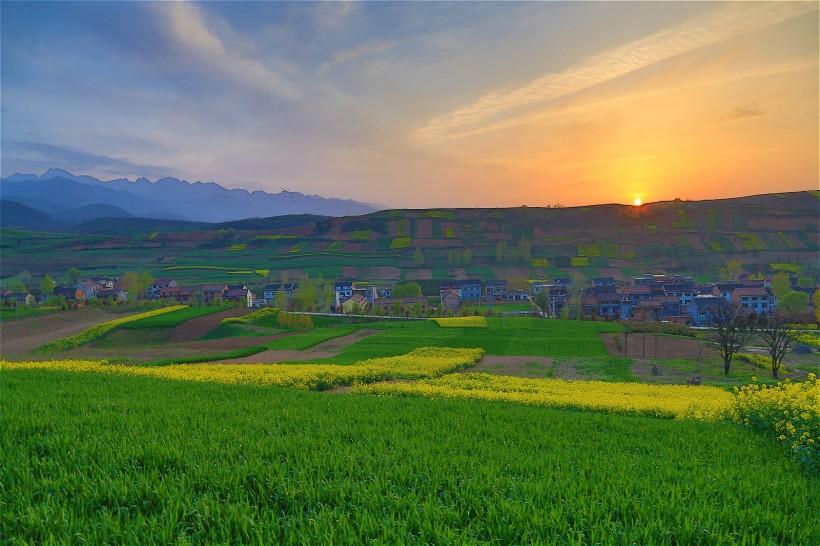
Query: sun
(637, 202)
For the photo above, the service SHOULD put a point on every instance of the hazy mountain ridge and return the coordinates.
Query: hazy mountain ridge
(57, 189)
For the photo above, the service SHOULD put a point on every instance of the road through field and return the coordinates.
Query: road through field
(21, 336)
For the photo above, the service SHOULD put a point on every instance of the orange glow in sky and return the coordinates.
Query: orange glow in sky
(637, 202)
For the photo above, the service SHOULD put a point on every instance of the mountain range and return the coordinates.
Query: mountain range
(71, 199)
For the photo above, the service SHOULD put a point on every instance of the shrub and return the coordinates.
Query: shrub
(788, 411)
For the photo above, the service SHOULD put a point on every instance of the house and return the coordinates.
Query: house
(595, 290)
(558, 298)
(644, 280)
(70, 293)
(116, 295)
(210, 292)
(725, 289)
(104, 283)
(400, 306)
(356, 304)
(646, 310)
(757, 299)
(604, 304)
(159, 284)
(701, 308)
(684, 291)
(181, 294)
(17, 299)
(536, 287)
(450, 300)
(468, 290)
(603, 282)
(496, 289)
(344, 290)
(89, 288)
(239, 293)
(271, 290)
(386, 291)
(562, 281)
(518, 295)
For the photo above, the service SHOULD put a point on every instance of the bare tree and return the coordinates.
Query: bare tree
(778, 336)
(732, 331)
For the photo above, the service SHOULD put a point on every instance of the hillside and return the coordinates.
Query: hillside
(694, 237)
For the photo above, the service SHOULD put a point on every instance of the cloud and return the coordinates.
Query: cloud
(741, 113)
(22, 156)
(715, 26)
(188, 27)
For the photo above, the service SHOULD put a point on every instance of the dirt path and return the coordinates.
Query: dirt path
(326, 349)
(198, 327)
(21, 336)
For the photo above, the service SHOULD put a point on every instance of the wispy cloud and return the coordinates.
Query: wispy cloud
(21, 156)
(189, 28)
(713, 27)
(741, 113)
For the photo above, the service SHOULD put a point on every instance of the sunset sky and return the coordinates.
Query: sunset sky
(420, 104)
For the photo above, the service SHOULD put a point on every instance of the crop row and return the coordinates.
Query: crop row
(462, 322)
(667, 401)
(423, 362)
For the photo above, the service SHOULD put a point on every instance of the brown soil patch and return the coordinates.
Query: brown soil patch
(419, 274)
(198, 327)
(641, 345)
(424, 228)
(386, 273)
(21, 336)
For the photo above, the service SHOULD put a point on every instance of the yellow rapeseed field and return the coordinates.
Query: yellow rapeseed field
(422, 362)
(671, 401)
(462, 322)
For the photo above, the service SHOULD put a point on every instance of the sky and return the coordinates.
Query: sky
(417, 104)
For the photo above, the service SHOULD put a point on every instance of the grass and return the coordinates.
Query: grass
(172, 319)
(21, 312)
(308, 339)
(185, 462)
(239, 330)
(400, 242)
(503, 336)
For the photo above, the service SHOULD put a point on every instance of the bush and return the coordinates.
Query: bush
(788, 411)
(634, 326)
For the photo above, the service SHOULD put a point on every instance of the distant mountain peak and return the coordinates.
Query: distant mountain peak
(170, 196)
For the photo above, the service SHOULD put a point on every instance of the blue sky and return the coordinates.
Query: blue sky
(419, 104)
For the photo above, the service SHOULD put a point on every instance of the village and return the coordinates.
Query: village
(648, 297)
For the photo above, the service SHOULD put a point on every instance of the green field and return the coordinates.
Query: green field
(181, 462)
(172, 319)
(504, 336)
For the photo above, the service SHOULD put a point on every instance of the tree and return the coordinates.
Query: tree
(283, 276)
(281, 300)
(777, 334)
(74, 275)
(816, 298)
(47, 285)
(145, 282)
(542, 301)
(806, 282)
(418, 257)
(731, 269)
(305, 295)
(130, 282)
(407, 290)
(732, 330)
(25, 278)
(781, 284)
(467, 256)
(793, 302)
